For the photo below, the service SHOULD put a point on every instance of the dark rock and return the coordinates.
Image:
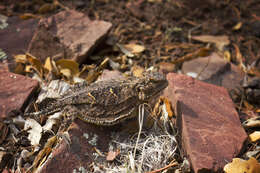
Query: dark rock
(232, 78)
(209, 126)
(207, 69)
(108, 75)
(214, 70)
(79, 152)
(68, 34)
(15, 90)
(15, 38)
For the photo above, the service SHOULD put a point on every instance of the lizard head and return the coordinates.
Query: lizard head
(150, 85)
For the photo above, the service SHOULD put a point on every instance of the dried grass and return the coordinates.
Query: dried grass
(141, 152)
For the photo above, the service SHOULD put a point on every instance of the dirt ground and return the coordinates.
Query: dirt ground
(157, 24)
(164, 27)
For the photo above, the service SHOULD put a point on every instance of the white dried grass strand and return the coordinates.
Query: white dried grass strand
(144, 151)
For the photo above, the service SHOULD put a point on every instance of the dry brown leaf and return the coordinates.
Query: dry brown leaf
(45, 152)
(254, 68)
(134, 48)
(48, 64)
(26, 16)
(252, 122)
(227, 56)
(248, 105)
(46, 8)
(84, 71)
(66, 72)
(28, 69)
(255, 136)
(242, 166)
(202, 52)
(168, 106)
(171, 46)
(111, 155)
(20, 58)
(19, 69)
(68, 64)
(137, 71)
(35, 64)
(239, 58)
(35, 131)
(92, 76)
(167, 67)
(219, 41)
(237, 26)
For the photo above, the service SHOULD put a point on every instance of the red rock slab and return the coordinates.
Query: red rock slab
(208, 68)
(110, 74)
(79, 152)
(232, 78)
(68, 34)
(208, 124)
(15, 90)
(15, 38)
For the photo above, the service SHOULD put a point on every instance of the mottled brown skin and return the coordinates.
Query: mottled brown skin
(108, 102)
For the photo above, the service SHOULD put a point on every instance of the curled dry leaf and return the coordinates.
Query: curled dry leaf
(96, 72)
(171, 46)
(125, 51)
(20, 58)
(237, 26)
(68, 64)
(35, 64)
(240, 58)
(48, 64)
(254, 68)
(137, 71)
(46, 8)
(134, 48)
(227, 56)
(52, 121)
(252, 122)
(26, 16)
(242, 166)
(202, 52)
(111, 155)
(168, 107)
(66, 72)
(219, 41)
(84, 70)
(255, 136)
(34, 130)
(167, 67)
(45, 152)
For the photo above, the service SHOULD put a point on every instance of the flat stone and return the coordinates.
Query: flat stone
(210, 130)
(77, 154)
(232, 78)
(15, 38)
(15, 90)
(208, 68)
(110, 74)
(68, 34)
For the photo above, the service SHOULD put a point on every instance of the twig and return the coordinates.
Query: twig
(141, 120)
(197, 77)
(166, 167)
(192, 29)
